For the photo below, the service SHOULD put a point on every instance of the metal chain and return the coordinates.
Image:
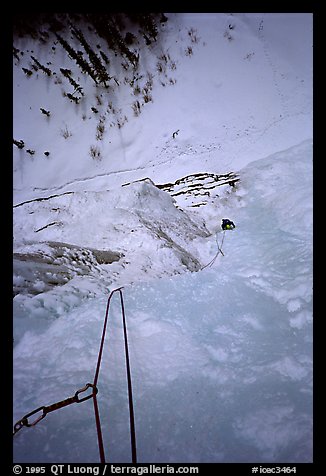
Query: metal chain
(55, 406)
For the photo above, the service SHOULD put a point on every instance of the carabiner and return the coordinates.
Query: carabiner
(87, 386)
(24, 420)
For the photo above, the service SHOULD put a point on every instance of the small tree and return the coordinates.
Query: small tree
(95, 152)
(65, 133)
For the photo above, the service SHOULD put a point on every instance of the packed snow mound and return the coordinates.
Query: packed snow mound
(136, 225)
(54, 263)
(221, 359)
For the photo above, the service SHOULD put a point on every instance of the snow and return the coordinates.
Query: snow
(221, 356)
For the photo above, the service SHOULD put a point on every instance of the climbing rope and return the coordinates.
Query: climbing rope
(131, 409)
(226, 224)
(44, 410)
(219, 250)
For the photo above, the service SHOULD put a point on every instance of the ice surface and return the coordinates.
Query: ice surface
(221, 359)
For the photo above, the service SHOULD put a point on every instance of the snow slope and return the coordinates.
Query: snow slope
(232, 100)
(221, 357)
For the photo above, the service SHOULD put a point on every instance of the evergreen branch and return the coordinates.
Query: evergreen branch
(43, 68)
